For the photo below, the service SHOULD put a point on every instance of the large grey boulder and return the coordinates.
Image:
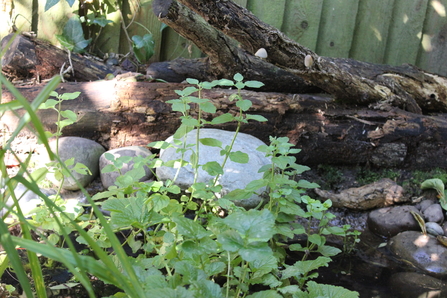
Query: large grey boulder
(84, 151)
(390, 221)
(423, 252)
(108, 179)
(236, 175)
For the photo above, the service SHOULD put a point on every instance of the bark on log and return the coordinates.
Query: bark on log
(348, 80)
(119, 113)
(33, 58)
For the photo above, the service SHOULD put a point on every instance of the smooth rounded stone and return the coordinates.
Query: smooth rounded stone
(108, 179)
(236, 175)
(434, 213)
(416, 285)
(390, 221)
(84, 151)
(28, 200)
(422, 206)
(444, 228)
(423, 252)
(434, 228)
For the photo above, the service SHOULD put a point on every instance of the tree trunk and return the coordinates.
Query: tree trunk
(119, 113)
(33, 58)
(348, 80)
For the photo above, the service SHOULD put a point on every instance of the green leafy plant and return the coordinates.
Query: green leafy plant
(193, 243)
(438, 185)
(72, 37)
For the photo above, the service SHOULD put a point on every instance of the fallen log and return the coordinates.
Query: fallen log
(28, 57)
(348, 80)
(119, 113)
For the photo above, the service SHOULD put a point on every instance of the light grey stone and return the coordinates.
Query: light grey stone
(434, 228)
(108, 179)
(434, 213)
(236, 175)
(28, 200)
(84, 151)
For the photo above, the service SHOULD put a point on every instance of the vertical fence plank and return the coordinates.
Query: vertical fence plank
(141, 20)
(371, 31)
(271, 13)
(15, 13)
(432, 52)
(405, 28)
(108, 41)
(302, 20)
(337, 28)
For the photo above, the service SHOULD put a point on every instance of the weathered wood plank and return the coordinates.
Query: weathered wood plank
(271, 13)
(337, 28)
(371, 32)
(433, 53)
(404, 36)
(302, 21)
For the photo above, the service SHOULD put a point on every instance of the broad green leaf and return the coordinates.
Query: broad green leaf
(328, 251)
(144, 47)
(225, 82)
(70, 115)
(238, 194)
(74, 34)
(244, 104)
(224, 118)
(70, 96)
(238, 77)
(307, 184)
(190, 228)
(254, 185)
(192, 81)
(213, 168)
(207, 288)
(101, 21)
(158, 201)
(254, 84)
(214, 268)
(329, 291)
(208, 107)
(263, 265)
(50, 3)
(179, 292)
(211, 142)
(131, 212)
(302, 267)
(252, 225)
(317, 239)
(265, 294)
(230, 240)
(255, 251)
(258, 118)
(239, 157)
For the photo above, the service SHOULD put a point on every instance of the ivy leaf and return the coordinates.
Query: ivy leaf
(143, 47)
(74, 34)
(50, 3)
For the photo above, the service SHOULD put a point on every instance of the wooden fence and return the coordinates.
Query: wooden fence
(387, 31)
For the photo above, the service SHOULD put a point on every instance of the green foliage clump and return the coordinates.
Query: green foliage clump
(199, 245)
